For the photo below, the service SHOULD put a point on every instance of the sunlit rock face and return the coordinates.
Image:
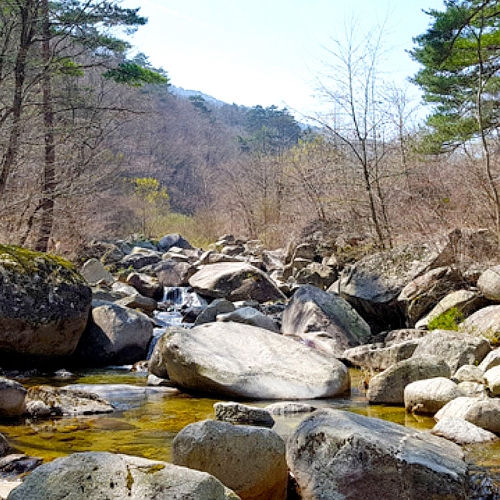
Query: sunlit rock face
(238, 360)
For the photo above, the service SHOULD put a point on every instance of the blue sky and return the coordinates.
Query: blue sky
(267, 51)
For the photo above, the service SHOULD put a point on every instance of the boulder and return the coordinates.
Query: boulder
(145, 285)
(430, 395)
(224, 450)
(63, 401)
(289, 408)
(311, 309)
(138, 259)
(173, 240)
(103, 475)
(456, 348)
(469, 373)
(44, 308)
(421, 294)
(138, 301)
(237, 360)
(12, 396)
(380, 356)
(173, 273)
(238, 413)
(465, 301)
(492, 380)
(94, 273)
(249, 316)
(372, 285)
(216, 307)
(120, 393)
(462, 432)
(336, 454)
(317, 274)
(115, 335)
(485, 322)
(483, 412)
(388, 386)
(472, 389)
(489, 283)
(491, 359)
(235, 281)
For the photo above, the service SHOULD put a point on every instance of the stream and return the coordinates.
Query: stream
(145, 423)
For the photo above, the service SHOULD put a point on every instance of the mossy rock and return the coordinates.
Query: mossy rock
(44, 307)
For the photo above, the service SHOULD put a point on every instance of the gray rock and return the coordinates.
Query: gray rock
(430, 395)
(462, 432)
(492, 380)
(485, 322)
(491, 359)
(123, 392)
(44, 307)
(138, 301)
(456, 348)
(94, 272)
(249, 316)
(373, 284)
(65, 401)
(469, 373)
(243, 414)
(216, 307)
(289, 408)
(12, 396)
(466, 301)
(489, 283)
(483, 412)
(173, 240)
(172, 273)
(138, 260)
(472, 389)
(421, 294)
(115, 335)
(380, 357)
(317, 275)
(388, 386)
(238, 360)
(92, 475)
(311, 309)
(235, 281)
(146, 285)
(336, 454)
(224, 450)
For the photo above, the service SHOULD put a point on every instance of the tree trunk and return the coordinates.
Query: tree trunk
(49, 173)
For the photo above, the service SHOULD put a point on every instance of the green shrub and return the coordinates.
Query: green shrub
(449, 320)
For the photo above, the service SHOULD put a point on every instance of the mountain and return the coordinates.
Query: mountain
(186, 94)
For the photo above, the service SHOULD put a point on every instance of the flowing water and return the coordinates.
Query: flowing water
(145, 426)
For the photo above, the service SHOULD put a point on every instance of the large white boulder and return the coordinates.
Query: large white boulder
(238, 360)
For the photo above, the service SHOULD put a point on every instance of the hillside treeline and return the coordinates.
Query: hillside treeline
(94, 144)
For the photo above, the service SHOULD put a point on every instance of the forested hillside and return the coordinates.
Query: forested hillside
(94, 145)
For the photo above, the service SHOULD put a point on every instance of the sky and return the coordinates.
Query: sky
(269, 52)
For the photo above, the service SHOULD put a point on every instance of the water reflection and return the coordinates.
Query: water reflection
(146, 427)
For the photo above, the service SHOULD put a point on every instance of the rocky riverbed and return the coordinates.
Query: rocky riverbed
(420, 323)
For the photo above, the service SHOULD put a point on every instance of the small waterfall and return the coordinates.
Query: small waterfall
(175, 300)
